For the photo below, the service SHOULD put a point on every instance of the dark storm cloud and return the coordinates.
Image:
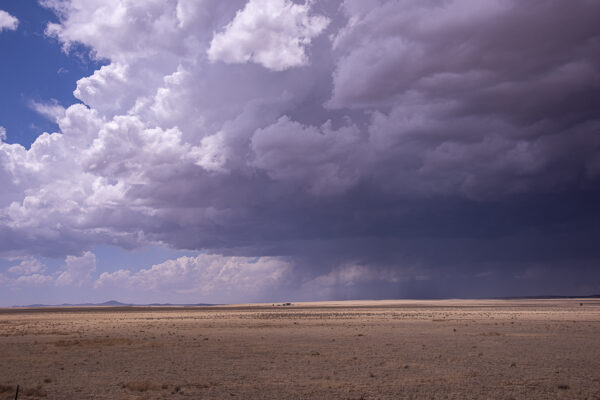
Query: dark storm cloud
(388, 148)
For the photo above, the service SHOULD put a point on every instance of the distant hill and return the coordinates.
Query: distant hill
(114, 303)
(593, 296)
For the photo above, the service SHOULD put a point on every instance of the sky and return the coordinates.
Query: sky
(208, 151)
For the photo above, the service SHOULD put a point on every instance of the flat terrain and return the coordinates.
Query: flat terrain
(488, 349)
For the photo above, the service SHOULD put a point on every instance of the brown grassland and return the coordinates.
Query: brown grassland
(451, 349)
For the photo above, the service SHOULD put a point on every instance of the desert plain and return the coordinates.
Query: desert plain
(447, 349)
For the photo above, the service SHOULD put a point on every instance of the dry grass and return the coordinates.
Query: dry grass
(370, 350)
(140, 386)
(491, 334)
(35, 392)
(7, 389)
(94, 342)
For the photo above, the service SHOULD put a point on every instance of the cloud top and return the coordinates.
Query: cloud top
(272, 33)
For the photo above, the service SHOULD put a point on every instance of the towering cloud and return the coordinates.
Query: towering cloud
(381, 147)
(77, 270)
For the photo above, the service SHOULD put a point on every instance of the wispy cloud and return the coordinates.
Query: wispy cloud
(50, 109)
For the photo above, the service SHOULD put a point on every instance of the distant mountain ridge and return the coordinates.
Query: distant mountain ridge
(114, 303)
(592, 296)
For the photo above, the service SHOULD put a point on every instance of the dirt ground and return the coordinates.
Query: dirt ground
(513, 349)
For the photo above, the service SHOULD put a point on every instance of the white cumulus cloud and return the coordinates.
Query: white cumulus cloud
(29, 265)
(7, 21)
(33, 280)
(77, 271)
(205, 276)
(272, 33)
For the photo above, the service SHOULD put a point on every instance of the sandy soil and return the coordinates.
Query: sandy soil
(529, 349)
